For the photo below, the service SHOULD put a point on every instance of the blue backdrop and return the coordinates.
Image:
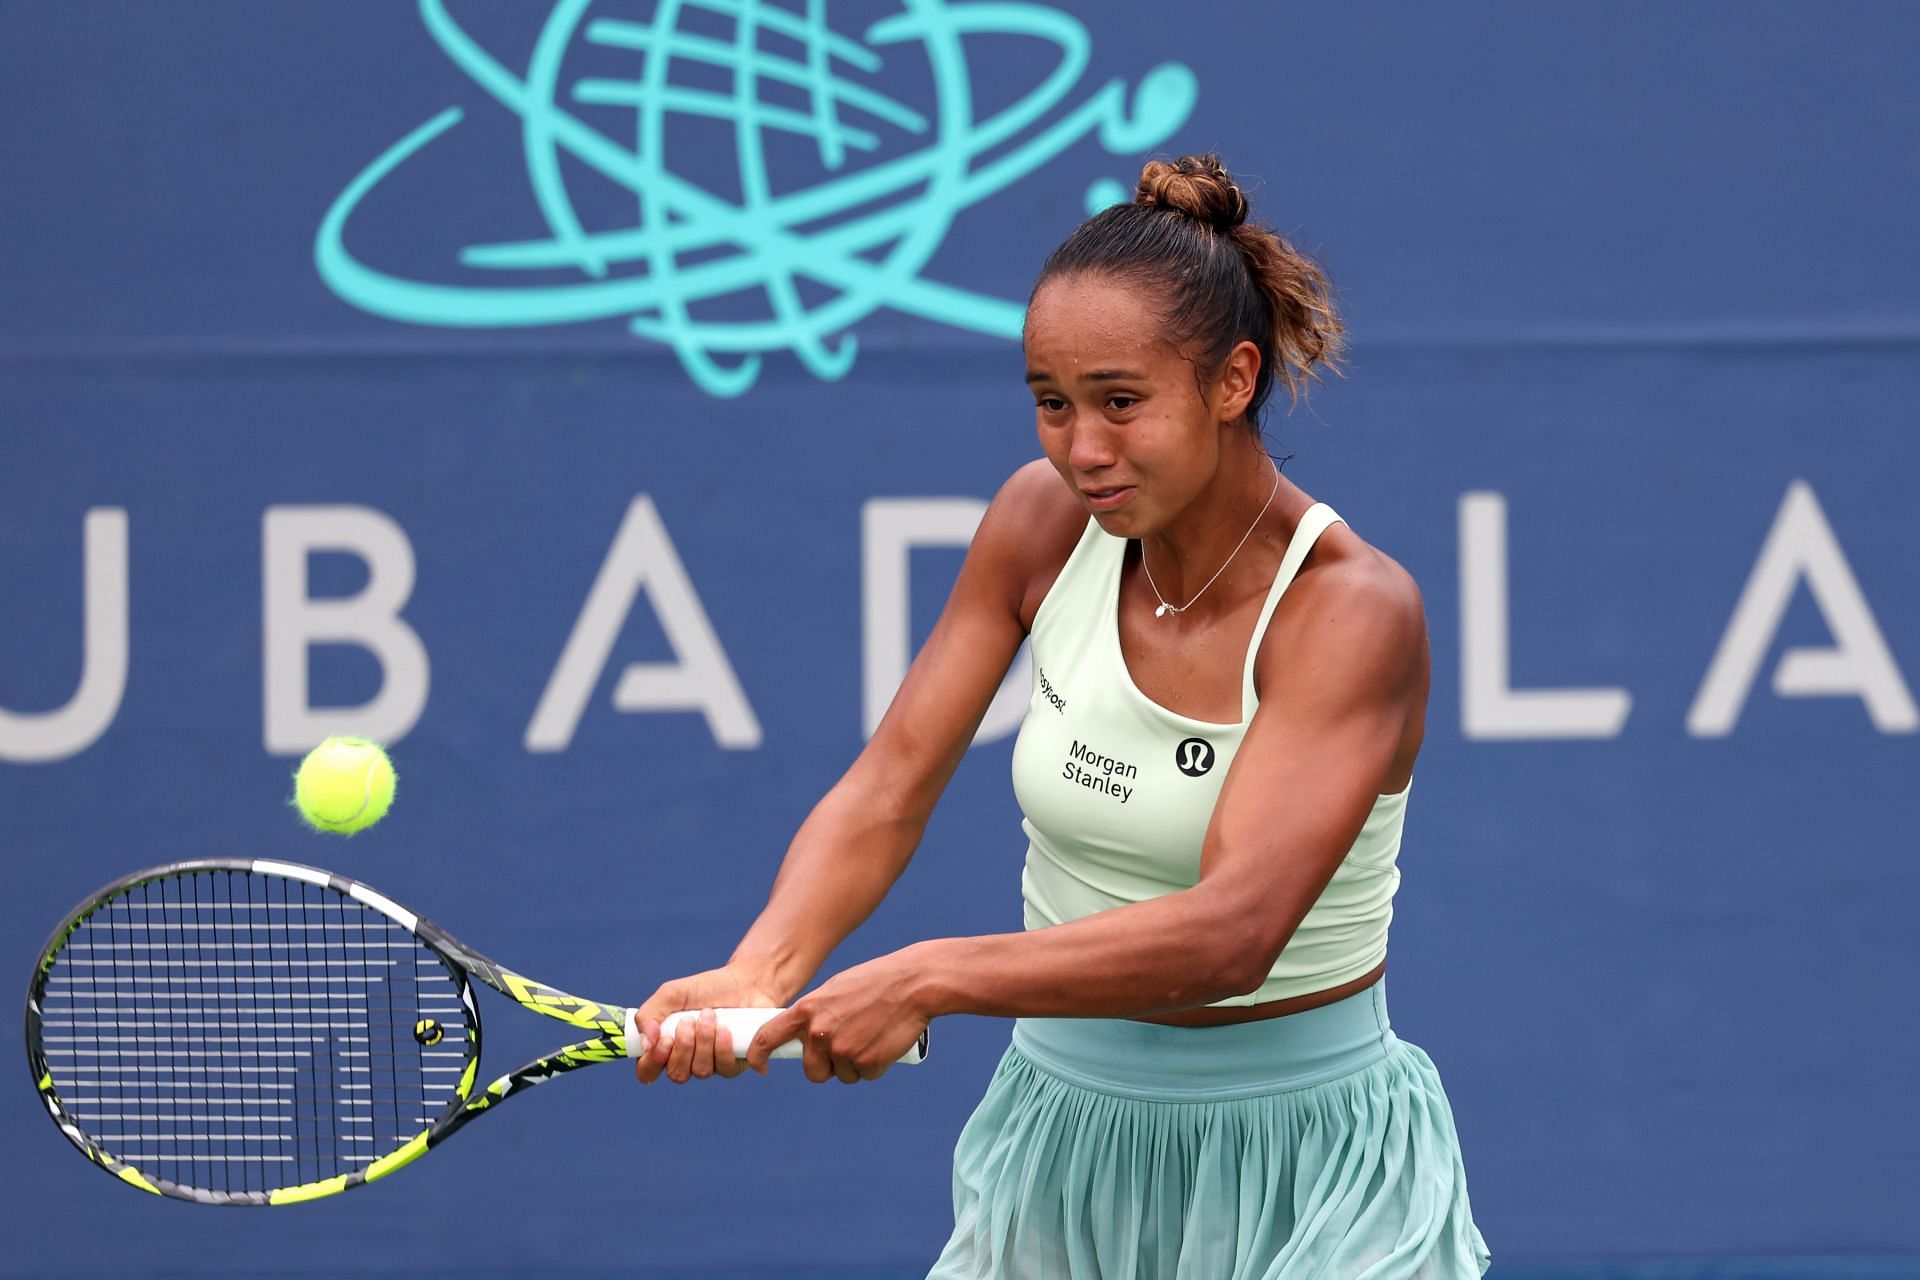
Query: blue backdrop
(427, 370)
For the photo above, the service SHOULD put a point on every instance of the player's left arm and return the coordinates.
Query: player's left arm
(1340, 672)
(1341, 678)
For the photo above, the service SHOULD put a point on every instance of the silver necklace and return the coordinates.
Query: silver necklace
(1166, 608)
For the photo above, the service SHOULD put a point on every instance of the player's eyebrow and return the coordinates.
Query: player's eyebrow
(1092, 375)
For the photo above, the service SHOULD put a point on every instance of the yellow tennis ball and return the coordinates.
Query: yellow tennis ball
(344, 785)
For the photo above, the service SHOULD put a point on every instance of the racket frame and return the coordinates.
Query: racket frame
(607, 1022)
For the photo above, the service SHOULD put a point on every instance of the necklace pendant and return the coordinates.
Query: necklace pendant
(1161, 612)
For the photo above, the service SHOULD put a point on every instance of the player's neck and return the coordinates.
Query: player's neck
(1218, 529)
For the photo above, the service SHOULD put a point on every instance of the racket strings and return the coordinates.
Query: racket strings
(237, 1032)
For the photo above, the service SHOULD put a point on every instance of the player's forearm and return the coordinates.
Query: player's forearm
(842, 862)
(1177, 952)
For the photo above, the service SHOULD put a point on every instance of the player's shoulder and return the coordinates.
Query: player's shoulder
(1037, 491)
(1352, 596)
(1030, 529)
(1034, 506)
(1345, 565)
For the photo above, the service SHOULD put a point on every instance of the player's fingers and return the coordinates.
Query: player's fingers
(845, 1071)
(773, 1033)
(680, 1056)
(726, 1062)
(647, 1067)
(660, 1048)
(703, 1045)
(814, 1059)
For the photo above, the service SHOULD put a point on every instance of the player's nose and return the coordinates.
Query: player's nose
(1091, 449)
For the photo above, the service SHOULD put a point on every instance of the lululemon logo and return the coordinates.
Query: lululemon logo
(1193, 757)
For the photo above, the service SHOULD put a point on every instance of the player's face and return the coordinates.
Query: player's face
(1121, 413)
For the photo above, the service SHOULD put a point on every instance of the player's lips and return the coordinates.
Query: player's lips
(1107, 499)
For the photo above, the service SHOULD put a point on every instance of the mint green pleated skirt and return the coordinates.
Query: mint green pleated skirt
(1314, 1145)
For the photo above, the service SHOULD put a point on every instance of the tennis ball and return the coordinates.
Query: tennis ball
(344, 785)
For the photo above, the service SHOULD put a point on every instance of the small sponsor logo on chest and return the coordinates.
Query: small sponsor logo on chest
(1052, 695)
(1194, 757)
(1086, 767)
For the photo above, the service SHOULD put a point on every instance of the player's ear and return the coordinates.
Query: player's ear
(1238, 377)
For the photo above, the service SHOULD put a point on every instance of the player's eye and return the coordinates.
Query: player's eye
(1120, 404)
(1051, 404)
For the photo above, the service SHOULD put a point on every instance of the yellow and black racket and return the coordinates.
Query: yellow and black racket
(237, 1031)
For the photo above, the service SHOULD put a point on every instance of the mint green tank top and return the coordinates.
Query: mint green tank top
(1117, 791)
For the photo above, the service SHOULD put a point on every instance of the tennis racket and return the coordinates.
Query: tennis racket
(247, 1032)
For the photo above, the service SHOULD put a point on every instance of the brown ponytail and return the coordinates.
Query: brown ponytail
(1226, 279)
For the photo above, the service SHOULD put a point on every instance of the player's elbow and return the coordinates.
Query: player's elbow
(893, 809)
(1209, 979)
(1242, 970)
(1243, 946)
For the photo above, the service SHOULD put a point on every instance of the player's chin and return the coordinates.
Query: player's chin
(1127, 522)
(1127, 511)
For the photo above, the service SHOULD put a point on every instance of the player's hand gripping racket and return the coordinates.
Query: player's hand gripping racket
(232, 1031)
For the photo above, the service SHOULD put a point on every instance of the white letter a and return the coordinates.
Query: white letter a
(1801, 545)
(701, 680)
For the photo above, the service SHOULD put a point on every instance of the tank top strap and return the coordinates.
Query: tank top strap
(1312, 524)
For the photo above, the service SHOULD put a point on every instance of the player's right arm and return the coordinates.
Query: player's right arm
(860, 836)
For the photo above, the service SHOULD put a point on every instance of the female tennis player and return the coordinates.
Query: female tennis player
(1230, 691)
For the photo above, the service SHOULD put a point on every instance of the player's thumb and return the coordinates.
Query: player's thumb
(773, 1033)
(670, 997)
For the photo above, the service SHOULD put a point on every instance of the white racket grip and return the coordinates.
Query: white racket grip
(743, 1025)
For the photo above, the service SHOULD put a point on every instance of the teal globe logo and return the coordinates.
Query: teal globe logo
(850, 149)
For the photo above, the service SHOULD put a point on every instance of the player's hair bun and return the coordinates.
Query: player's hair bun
(1198, 186)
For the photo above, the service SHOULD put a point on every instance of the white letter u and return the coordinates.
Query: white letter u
(44, 736)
